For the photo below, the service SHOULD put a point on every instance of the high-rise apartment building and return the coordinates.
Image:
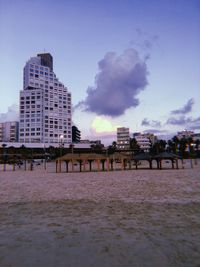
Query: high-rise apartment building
(123, 138)
(45, 104)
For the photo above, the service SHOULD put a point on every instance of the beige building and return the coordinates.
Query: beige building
(9, 131)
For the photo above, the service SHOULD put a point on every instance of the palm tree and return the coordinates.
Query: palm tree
(171, 146)
(182, 146)
(190, 145)
(134, 146)
(112, 148)
(158, 147)
(176, 143)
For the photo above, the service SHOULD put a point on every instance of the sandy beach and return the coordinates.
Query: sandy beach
(120, 218)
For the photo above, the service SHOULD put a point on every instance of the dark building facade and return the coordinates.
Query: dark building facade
(46, 60)
(76, 135)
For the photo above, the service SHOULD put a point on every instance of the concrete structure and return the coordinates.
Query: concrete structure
(123, 138)
(9, 131)
(76, 135)
(41, 145)
(144, 140)
(45, 104)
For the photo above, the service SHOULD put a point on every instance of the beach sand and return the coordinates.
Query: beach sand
(120, 218)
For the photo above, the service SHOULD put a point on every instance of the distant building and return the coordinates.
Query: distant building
(1, 132)
(185, 134)
(45, 104)
(144, 140)
(123, 138)
(85, 141)
(96, 142)
(9, 131)
(196, 136)
(76, 135)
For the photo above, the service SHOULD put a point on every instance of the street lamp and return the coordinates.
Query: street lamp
(61, 143)
(191, 150)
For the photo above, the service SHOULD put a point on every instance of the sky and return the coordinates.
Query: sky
(127, 63)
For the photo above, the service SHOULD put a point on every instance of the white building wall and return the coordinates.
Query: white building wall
(45, 106)
(144, 140)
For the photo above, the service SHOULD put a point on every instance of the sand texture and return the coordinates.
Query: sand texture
(100, 219)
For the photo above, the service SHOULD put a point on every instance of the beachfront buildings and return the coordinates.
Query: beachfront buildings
(9, 131)
(123, 138)
(144, 140)
(45, 104)
(185, 134)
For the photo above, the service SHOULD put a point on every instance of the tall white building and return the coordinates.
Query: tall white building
(45, 104)
(123, 138)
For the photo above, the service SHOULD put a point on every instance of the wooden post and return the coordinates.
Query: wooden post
(160, 164)
(122, 164)
(60, 165)
(172, 164)
(98, 164)
(80, 165)
(150, 164)
(129, 164)
(111, 164)
(84, 165)
(72, 165)
(90, 164)
(67, 167)
(102, 163)
(108, 164)
(177, 164)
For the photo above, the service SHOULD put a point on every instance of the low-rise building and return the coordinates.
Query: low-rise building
(145, 140)
(9, 131)
(185, 134)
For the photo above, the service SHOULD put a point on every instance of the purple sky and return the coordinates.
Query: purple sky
(132, 63)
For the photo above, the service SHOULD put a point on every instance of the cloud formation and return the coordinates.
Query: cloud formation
(117, 85)
(146, 40)
(182, 120)
(185, 109)
(12, 114)
(146, 122)
(188, 122)
(102, 125)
